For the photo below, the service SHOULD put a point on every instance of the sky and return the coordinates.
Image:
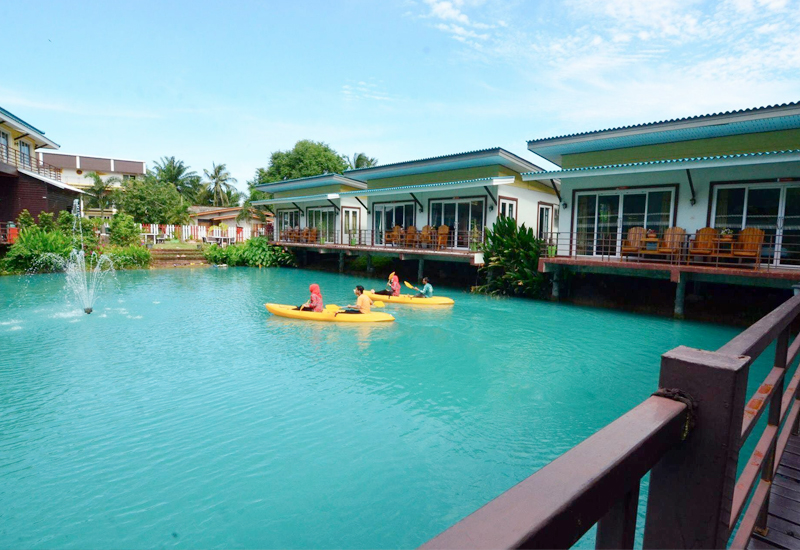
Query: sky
(232, 81)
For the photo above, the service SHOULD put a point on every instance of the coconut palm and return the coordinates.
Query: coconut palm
(171, 170)
(219, 183)
(360, 160)
(100, 191)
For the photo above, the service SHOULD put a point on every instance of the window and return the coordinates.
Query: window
(324, 220)
(508, 207)
(25, 153)
(545, 226)
(288, 219)
(4, 146)
(126, 177)
(386, 216)
(464, 217)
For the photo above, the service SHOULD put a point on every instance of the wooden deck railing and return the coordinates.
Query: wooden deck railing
(459, 241)
(688, 438)
(9, 155)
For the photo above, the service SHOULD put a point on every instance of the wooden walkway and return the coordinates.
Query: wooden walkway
(783, 521)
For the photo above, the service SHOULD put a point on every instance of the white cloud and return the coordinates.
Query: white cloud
(448, 10)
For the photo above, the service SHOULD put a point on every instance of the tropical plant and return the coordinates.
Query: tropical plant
(176, 173)
(124, 231)
(149, 200)
(256, 252)
(511, 256)
(219, 184)
(25, 220)
(360, 160)
(47, 221)
(35, 250)
(100, 191)
(129, 257)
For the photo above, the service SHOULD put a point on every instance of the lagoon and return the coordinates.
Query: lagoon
(181, 414)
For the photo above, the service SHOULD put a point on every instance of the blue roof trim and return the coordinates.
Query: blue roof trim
(423, 186)
(306, 178)
(667, 121)
(496, 150)
(556, 173)
(15, 118)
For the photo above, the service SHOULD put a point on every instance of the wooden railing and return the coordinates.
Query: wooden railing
(9, 155)
(688, 436)
(418, 240)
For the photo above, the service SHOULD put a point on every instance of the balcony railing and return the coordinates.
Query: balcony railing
(9, 155)
(688, 435)
(432, 240)
(744, 249)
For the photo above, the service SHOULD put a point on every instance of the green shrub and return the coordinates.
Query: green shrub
(25, 220)
(124, 231)
(511, 256)
(65, 222)
(47, 221)
(215, 254)
(129, 257)
(256, 252)
(31, 249)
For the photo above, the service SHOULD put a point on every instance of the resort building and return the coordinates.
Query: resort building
(436, 208)
(26, 182)
(215, 216)
(75, 168)
(711, 198)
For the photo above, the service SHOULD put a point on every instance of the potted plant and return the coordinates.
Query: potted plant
(474, 236)
(726, 234)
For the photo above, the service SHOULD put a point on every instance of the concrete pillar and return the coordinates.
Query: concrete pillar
(556, 283)
(420, 269)
(370, 269)
(341, 262)
(680, 296)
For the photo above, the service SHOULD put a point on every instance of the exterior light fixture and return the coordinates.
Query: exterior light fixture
(564, 205)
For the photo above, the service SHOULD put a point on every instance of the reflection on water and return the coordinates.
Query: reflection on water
(185, 416)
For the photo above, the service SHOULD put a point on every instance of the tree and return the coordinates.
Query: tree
(149, 200)
(173, 171)
(360, 160)
(219, 184)
(307, 158)
(100, 191)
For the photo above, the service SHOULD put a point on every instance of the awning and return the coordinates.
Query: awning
(421, 188)
(51, 181)
(719, 161)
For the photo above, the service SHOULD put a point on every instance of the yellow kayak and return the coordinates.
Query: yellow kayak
(330, 316)
(409, 299)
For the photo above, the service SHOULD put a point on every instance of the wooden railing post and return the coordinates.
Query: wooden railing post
(617, 529)
(691, 488)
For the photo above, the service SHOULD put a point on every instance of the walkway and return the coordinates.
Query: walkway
(783, 520)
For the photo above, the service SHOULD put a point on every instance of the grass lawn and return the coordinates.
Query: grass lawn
(176, 245)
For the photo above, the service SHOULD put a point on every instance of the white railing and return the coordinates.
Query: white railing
(154, 232)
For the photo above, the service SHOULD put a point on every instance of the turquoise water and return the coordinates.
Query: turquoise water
(181, 414)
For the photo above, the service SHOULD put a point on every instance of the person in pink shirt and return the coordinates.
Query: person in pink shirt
(392, 288)
(314, 303)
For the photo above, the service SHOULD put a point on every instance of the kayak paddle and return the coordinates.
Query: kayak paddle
(409, 285)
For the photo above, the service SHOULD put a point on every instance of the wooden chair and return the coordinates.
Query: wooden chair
(412, 237)
(704, 243)
(305, 234)
(672, 241)
(633, 244)
(442, 236)
(748, 244)
(425, 237)
(312, 235)
(395, 236)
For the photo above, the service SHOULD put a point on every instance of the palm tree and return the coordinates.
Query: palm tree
(360, 160)
(219, 183)
(171, 170)
(99, 192)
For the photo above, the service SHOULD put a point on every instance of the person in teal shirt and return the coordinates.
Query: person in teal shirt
(427, 289)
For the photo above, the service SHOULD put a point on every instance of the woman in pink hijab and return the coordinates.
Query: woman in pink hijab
(392, 288)
(314, 303)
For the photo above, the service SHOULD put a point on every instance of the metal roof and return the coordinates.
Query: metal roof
(413, 166)
(9, 116)
(310, 181)
(785, 116)
(462, 184)
(668, 164)
(54, 183)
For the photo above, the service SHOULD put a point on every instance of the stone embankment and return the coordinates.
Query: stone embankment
(164, 257)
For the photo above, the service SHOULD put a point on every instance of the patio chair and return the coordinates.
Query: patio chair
(395, 236)
(443, 234)
(425, 237)
(305, 235)
(412, 237)
(633, 244)
(672, 241)
(748, 244)
(313, 235)
(704, 243)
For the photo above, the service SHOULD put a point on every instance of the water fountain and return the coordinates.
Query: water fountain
(85, 275)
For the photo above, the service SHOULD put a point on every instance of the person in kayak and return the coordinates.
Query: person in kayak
(427, 289)
(314, 303)
(363, 303)
(392, 288)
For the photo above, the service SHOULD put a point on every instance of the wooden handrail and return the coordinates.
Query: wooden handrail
(557, 505)
(9, 155)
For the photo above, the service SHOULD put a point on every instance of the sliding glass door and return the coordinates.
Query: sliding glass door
(464, 217)
(386, 216)
(324, 220)
(603, 219)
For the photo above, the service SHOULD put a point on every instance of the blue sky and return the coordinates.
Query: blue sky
(233, 81)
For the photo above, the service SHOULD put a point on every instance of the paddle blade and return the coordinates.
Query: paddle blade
(378, 303)
(332, 307)
(408, 285)
(390, 276)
